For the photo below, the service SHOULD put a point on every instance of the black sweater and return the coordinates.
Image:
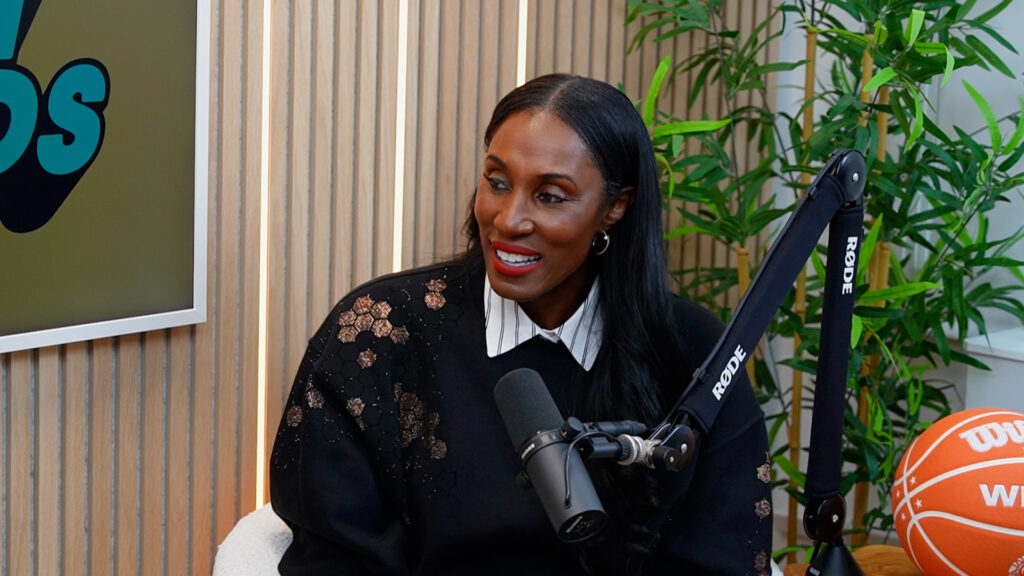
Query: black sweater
(391, 457)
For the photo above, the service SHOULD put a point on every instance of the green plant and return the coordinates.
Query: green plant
(930, 195)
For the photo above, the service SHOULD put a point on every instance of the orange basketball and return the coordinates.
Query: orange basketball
(958, 499)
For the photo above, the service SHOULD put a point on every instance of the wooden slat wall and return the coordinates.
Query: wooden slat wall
(333, 95)
(135, 454)
(462, 60)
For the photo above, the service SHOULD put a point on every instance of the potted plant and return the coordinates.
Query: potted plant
(930, 192)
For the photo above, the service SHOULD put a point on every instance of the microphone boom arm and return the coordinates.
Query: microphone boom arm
(835, 199)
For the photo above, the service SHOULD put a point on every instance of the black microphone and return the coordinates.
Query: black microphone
(555, 470)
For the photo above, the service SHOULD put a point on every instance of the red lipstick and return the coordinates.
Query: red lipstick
(510, 268)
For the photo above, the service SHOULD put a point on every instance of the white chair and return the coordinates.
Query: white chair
(257, 542)
(254, 546)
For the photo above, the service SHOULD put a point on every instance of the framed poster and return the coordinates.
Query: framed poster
(104, 130)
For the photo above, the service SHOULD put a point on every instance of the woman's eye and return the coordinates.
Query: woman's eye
(550, 198)
(497, 183)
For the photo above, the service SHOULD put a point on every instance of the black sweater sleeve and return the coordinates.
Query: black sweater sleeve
(324, 477)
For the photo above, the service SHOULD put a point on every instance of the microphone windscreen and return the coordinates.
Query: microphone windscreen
(525, 405)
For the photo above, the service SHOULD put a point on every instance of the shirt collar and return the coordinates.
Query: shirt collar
(509, 326)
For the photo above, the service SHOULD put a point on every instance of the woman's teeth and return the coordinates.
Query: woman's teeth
(516, 259)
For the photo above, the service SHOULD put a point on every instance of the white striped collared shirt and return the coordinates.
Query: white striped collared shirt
(508, 326)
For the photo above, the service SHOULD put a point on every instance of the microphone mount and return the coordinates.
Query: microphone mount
(834, 199)
(624, 442)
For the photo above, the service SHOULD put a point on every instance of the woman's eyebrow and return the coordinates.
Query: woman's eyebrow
(501, 163)
(547, 176)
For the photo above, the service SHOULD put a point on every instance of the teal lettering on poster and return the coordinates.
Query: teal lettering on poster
(47, 139)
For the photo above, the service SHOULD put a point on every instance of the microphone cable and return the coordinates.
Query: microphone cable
(572, 446)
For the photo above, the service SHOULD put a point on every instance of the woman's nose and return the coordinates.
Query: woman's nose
(514, 217)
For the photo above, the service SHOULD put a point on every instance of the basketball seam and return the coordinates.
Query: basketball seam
(928, 541)
(908, 496)
(967, 522)
(956, 472)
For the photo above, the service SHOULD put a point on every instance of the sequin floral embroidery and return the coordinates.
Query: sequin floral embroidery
(314, 399)
(434, 299)
(371, 316)
(355, 407)
(763, 509)
(415, 423)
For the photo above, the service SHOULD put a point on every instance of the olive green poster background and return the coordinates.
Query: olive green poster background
(123, 243)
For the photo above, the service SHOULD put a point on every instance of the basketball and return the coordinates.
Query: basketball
(958, 497)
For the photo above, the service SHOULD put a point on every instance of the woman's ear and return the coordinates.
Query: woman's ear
(617, 208)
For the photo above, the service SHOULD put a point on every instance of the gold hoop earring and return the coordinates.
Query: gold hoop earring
(601, 242)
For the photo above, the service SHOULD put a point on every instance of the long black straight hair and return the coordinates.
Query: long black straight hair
(633, 367)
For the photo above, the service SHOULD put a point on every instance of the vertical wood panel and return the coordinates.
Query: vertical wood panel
(128, 452)
(101, 437)
(76, 456)
(364, 191)
(618, 40)
(507, 29)
(564, 37)
(153, 452)
(582, 33)
(247, 375)
(204, 538)
(421, 174)
(448, 117)
(420, 130)
(321, 128)
(21, 491)
(48, 430)
(343, 163)
(385, 61)
(178, 463)
(277, 292)
(468, 138)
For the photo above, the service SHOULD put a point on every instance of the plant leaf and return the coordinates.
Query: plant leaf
(792, 471)
(961, 12)
(938, 48)
(896, 292)
(651, 102)
(913, 29)
(688, 127)
(776, 67)
(855, 331)
(883, 76)
(990, 117)
(992, 13)
(915, 130)
(1018, 134)
(868, 247)
(985, 52)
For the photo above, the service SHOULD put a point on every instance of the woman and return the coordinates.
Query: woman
(391, 457)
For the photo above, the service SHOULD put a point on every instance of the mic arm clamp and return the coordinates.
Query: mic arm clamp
(668, 448)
